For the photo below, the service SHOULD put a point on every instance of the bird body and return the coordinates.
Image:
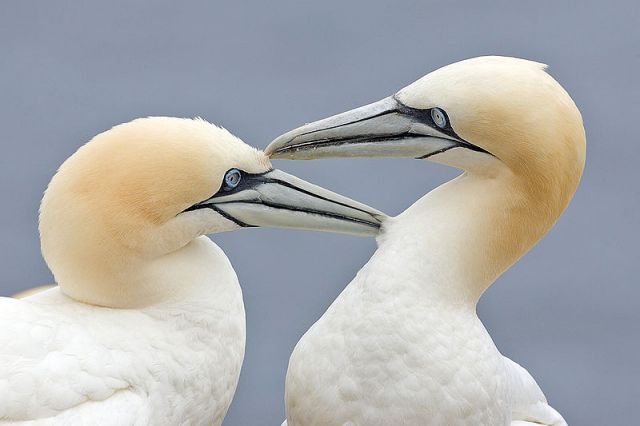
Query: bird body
(403, 341)
(174, 363)
(402, 344)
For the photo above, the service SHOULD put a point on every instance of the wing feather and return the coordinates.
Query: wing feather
(49, 363)
(529, 405)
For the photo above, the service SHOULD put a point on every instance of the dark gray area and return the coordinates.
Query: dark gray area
(568, 311)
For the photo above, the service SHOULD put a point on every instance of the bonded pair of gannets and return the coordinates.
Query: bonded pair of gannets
(147, 326)
(402, 344)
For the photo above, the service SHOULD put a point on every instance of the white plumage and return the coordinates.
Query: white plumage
(69, 363)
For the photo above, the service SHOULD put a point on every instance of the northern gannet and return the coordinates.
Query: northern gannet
(147, 325)
(402, 344)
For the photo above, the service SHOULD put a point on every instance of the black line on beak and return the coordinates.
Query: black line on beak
(337, 126)
(440, 151)
(458, 145)
(221, 213)
(303, 210)
(311, 194)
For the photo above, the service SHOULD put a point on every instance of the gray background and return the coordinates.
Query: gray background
(568, 311)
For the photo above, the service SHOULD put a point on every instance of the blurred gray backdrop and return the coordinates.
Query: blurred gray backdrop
(569, 311)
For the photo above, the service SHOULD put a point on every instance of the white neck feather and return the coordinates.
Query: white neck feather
(199, 271)
(446, 241)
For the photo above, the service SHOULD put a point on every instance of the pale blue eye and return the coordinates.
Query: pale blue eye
(438, 116)
(231, 179)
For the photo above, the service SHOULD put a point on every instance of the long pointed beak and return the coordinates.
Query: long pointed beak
(277, 199)
(386, 128)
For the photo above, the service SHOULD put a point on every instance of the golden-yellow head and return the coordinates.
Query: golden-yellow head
(145, 189)
(140, 175)
(507, 108)
(489, 115)
(511, 108)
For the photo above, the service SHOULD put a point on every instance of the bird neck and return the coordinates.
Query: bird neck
(456, 240)
(198, 271)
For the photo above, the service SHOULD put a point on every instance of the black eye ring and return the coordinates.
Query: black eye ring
(231, 179)
(439, 117)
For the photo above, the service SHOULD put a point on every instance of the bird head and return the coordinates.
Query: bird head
(485, 115)
(147, 188)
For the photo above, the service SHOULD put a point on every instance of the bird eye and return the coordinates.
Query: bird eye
(231, 179)
(438, 117)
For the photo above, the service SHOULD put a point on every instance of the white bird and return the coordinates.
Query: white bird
(147, 325)
(402, 344)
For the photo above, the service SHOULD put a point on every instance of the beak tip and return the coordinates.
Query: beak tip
(381, 218)
(282, 152)
(276, 155)
(278, 147)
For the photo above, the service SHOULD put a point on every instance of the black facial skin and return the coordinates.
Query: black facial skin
(247, 181)
(424, 116)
